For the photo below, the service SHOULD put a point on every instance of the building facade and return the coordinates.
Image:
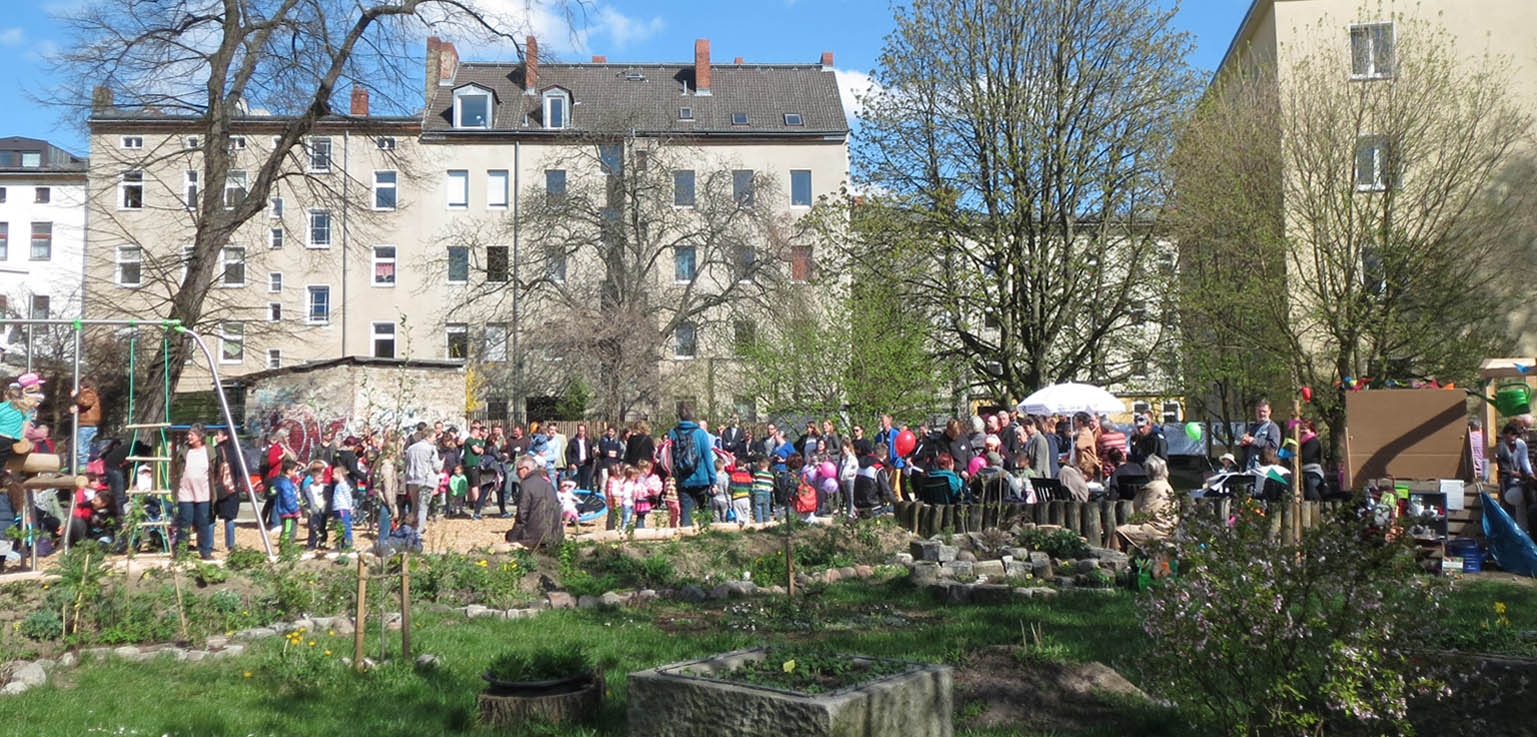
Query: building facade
(42, 234)
(500, 218)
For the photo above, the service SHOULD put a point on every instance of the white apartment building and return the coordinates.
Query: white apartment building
(42, 234)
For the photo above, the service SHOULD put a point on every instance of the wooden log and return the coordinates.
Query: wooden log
(1224, 510)
(947, 517)
(35, 463)
(1072, 516)
(1309, 515)
(572, 706)
(1107, 524)
(56, 482)
(926, 519)
(1123, 512)
(1273, 519)
(1054, 511)
(1288, 520)
(1090, 524)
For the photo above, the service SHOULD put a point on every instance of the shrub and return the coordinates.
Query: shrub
(245, 559)
(42, 624)
(539, 665)
(1266, 637)
(1057, 543)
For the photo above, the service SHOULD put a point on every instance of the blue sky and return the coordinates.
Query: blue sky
(640, 30)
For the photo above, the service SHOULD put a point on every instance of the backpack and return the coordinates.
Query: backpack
(684, 456)
(805, 498)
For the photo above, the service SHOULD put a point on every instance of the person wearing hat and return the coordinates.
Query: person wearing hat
(1147, 441)
(1229, 463)
(17, 412)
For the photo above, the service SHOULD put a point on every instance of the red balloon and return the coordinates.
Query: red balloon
(1307, 394)
(906, 441)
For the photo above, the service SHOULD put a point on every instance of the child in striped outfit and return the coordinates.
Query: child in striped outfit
(762, 491)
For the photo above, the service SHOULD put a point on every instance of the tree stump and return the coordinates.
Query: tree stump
(1088, 524)
(579, 703)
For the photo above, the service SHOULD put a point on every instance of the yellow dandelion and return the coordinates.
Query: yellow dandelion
(789, 666)
(481, 563)
(328, 653)
(331, 633)
(246, 674)
(1499, 607)
(312, 643)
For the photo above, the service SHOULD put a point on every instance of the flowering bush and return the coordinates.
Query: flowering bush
(1266, 637)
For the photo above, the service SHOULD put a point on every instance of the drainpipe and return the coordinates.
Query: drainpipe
(346, 180)
(517, 358)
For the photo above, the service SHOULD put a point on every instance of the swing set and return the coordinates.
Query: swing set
(161, 492)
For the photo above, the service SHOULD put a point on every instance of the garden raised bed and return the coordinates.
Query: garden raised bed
(688, 699)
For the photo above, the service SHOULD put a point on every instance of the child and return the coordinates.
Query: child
(624, 496)
(315, 500)
(670, 498)
(762, 490)
(648, 491)
(567, 497)
(286, 500)
(458, 485)
(612, 490)
(741, 492)
(341, 502)
(720, 502)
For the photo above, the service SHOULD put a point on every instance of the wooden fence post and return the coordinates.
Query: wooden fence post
(405, 606)
(361, 621)
(1090, 524)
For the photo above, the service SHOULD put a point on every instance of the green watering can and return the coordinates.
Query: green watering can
(1513, 398)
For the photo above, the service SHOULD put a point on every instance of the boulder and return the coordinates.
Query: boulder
(1017, 569)
(925, 572)
(1114, 560)
(1040, 563)
(195, 655)
(612, 599)
(692, 593)
(988, 568)
(305, 625)
(955, 592)
(14, 687)
(31, 674)
(776, 590)
(1086, 565)
(864, 571)
(991, 593)
(475, 611)
(68, 660)
(966, 555)
(561, 600)
(847, 572)
(1018, 553)
(255, 633)
(127, 651)
(832, 575)
(958, 569)
(905, 559)
(1035, 592)
(587, 601)
(342, 626)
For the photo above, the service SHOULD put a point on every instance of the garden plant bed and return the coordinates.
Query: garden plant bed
(846, 695)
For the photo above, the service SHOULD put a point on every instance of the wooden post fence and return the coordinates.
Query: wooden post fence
(1096, 521)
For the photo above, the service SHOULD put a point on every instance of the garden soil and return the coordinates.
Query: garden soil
(997, 687)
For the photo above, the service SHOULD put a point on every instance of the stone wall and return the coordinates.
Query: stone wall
(309, 402)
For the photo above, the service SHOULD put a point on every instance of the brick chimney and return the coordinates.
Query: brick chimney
(597, 59)
(827, 60)
(101, 99)
(448, 62)
(434, 44)
(530, 66)
(702, 66)
(359, 101)
(737, 60)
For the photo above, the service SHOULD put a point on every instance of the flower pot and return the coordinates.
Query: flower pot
(575, 698)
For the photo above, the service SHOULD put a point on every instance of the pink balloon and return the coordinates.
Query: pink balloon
(829, 471)
(976, 464)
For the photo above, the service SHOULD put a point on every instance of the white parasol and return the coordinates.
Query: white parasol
(1063, 399)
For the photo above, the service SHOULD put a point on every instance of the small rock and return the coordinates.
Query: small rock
(1018, 553)
(1040, 563)
(392, 620)
(427, 661)
(1017, 569)
(988, 568)
(924, 550)
(216, 642)
(369, 664)
(925, 572)
(1065, 582)
(306, 625)
(1114, 560)
(905, 559)
(1086, 565)
(832, 575)
(958, 569)
(475, 611)
(31, 674)
(195, 655)
(645, 595)
(847, 572)
(68, 660)
(15, 687)
(775, 589)
(561, 600)
(342, 626)
(692, 593)
(228, 651)
(864, 571)
(948, 553)
(612, 599)
(587, 601)
(324, 623)
(126, 651)
(255, 633)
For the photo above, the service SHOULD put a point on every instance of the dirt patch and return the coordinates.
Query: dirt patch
(996, 687)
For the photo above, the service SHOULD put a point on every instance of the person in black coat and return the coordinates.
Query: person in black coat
(733, 439)
(538, 524)
(641, 445)
(226, 484)
(581, 457)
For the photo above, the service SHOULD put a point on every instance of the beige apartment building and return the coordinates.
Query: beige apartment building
(408, 237)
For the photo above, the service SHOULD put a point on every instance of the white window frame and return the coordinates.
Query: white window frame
(448, 265)
(275, 207)
(309, 237)
(745, 119)
(33, 239)
(378, 261)
(224, 342)
(231, 255)
(693, 267)
(393, 186)
(1381, 178)
(496, 189)
(1372, 72)
(127, 181)
(275, 238)
(131, 143)
(794, 119)
(318, 149)
(274, 282)
(675, 341)
(274, 358)
(810, 197)
(124, 259)
(457, 181)
(274, 312)
(191, 181)
(237, 143)
(236, 181)
(495, 351)
(309, 304)
(374, 336)
(550, 97)
(473, 91)
(191, 143)
(693, 194)
(450, 330)
(561, 258)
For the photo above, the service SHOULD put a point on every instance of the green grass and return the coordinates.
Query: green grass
(307, 693)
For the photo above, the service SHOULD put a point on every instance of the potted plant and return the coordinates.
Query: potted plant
(554, 684)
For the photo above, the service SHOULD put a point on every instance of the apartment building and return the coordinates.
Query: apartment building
(42, 233)
(434, 236)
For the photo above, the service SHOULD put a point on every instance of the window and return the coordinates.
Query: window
(275, 282)
(234, 267)
(189, 188)
(496, 341)
(1371, 51)
(2, 194)
(457, 337)
(275, 208)
(274, 358)
(274, 237)
(1376, 167)
(683, 264)
(458, 264)
(385, 143)
(496, 408)
(274, 312)
(232, 342)
(237, 143)
(685, 339)
(743, 334)
(318, 303)
(743, 261)
(683, 188)
(741, 187)
(31, 159)
(42, 195)
(186, 261)
(384, 190)
(130, 190)
(611, 159)
(472, 108)
(320, 228)
(320, 154)
(191, 143)
(554, 182)
(685, 113)
(458, 189)
(384, 266)
(132, 142)
(383, 336)
(557, 105)
(1172, 412)
(5, 241)
(496, 263)
(496, 188)
(234, 188)
(555, 267)
(792, 118)
(40, 310)
(800, 263)
(42, 242)
(739, 118)
(130, 266)
(800, 188)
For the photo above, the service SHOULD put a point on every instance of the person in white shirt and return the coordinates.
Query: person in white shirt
(194, 494)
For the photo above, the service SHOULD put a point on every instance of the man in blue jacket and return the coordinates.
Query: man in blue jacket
(692, 463)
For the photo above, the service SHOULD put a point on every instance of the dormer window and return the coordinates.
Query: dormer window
(685, 113)
(557, 109)
(792, 118)
(472, 107)
(739, 118)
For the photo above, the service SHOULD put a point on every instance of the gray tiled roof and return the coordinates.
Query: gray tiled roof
(604, 98)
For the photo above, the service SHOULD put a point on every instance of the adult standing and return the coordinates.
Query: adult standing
(557, 443)
(581, 460)
(194, 493)
(1263, 433)
(809, 444)
(538, 524)
(1515, 468)
(733, 439)
(1147, 441)
(894, 463)
(691, 463)
(471, 455)
(87, 410)
(226, 501)
(1043, 462)
(386, 480)
(422, 467)
(641, 446)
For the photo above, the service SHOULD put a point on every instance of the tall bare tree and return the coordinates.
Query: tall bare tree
(214, 61)
(1026, 138)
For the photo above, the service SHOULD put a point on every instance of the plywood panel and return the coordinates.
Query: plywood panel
(1405, 433)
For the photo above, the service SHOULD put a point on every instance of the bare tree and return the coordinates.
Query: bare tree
(1023, 142)
(215, 61)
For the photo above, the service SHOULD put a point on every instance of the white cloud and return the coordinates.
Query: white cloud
(12, 36)
(624, 30)
(566, 30)
(44, 50)
(853, 85)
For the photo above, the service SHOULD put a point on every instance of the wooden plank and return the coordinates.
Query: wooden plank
(56, 482)
(1405, 433)
(35, 463)
(148, 459)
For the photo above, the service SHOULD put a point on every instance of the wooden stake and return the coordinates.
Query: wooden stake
(789, 565)
(1296, 519)
(362, 620)
(181, 610)
(405, 606)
